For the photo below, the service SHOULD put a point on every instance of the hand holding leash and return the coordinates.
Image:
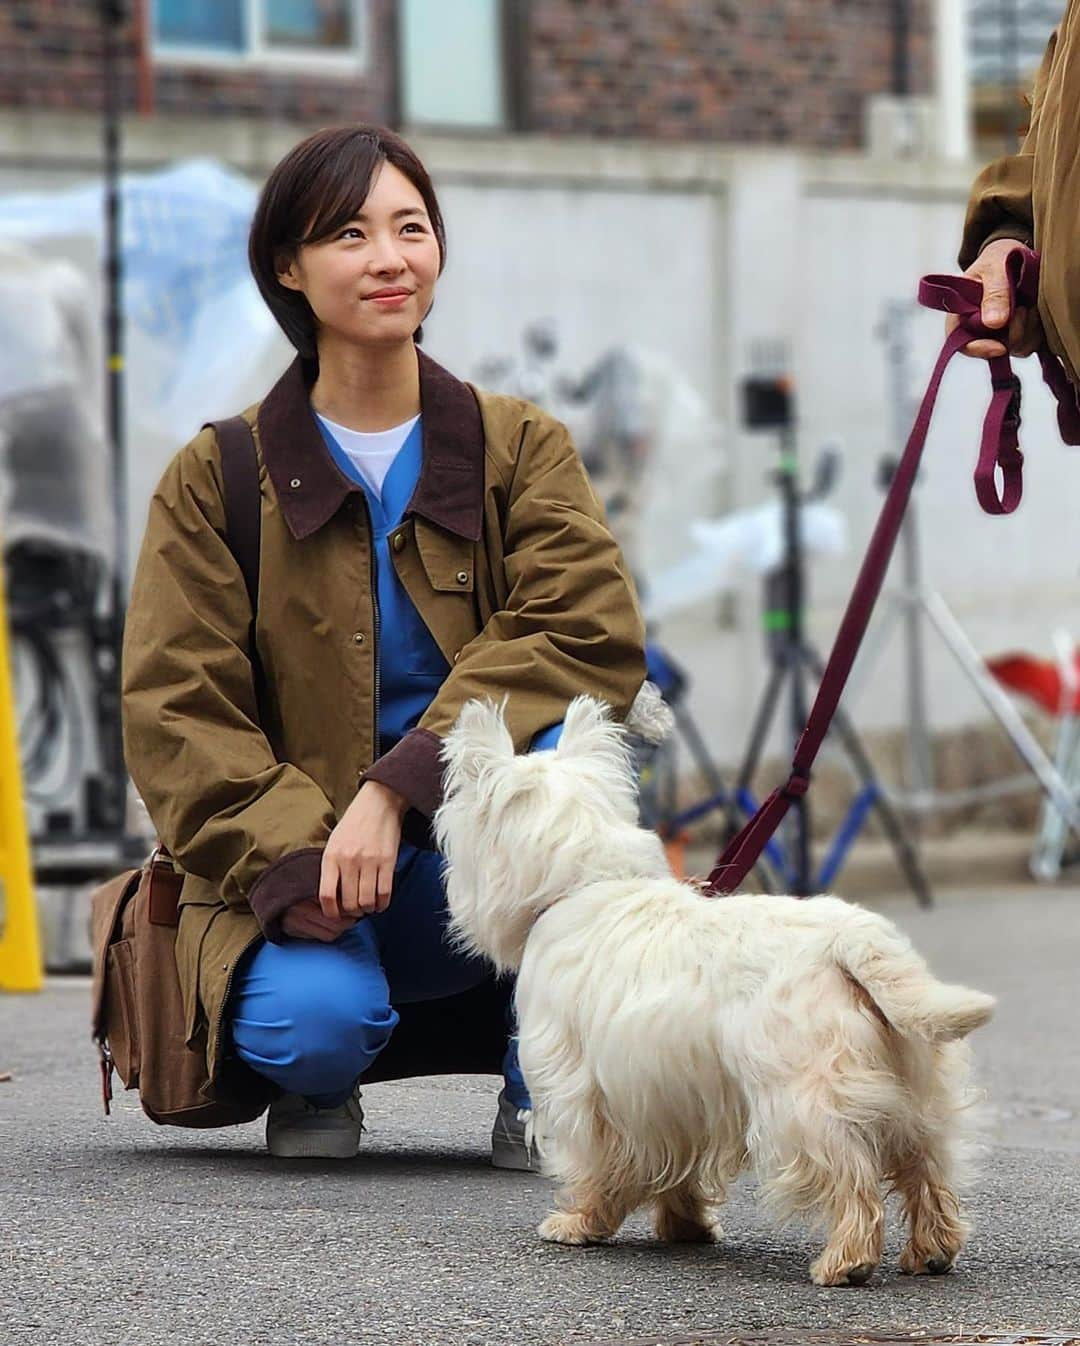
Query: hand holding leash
(1022, 331)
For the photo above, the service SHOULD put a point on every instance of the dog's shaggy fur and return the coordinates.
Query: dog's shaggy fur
(669, 1039)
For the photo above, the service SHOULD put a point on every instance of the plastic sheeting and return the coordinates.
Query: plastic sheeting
(199, 341)
(722, 551)
(54, 468)
(655, 456)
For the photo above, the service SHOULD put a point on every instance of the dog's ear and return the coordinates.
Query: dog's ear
(478, 739)
(588, 729)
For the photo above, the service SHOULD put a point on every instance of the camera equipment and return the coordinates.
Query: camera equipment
(769, 403)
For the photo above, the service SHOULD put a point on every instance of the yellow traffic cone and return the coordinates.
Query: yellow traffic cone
(20, 943)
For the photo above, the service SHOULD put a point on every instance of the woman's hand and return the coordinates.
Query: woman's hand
(359, 858)
(305, 920)
(1025, 332)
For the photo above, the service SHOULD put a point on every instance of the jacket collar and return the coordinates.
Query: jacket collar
(311, 489)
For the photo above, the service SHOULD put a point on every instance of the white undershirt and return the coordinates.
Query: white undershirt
(371, 453)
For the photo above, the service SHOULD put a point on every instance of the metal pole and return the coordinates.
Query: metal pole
(111, 805)
(920, 751)
(904, 408)
(794, 580)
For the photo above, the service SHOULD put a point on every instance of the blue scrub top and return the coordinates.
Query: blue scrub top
(410, 666)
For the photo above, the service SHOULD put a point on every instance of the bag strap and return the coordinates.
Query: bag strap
(243, 520)
(999, 449)
(243, 504)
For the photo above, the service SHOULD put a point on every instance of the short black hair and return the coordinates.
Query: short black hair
(319, 186)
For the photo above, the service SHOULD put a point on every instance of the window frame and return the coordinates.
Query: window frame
(259, 55)
(510, 44)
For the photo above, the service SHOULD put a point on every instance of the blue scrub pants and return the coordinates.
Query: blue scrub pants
(312, 1017)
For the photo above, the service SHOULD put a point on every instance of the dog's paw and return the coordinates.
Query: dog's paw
(567, 1227)
(926, 1262)
(674, 1228)
(827, 1272)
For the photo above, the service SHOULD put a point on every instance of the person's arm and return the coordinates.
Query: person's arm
(570, 624)
(999, 215)
(1000, 204)
(224, 807)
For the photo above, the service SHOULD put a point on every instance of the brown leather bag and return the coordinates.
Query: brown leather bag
(137, 1011)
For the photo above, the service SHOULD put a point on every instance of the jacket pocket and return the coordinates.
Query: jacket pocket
(448, 561)
(439, 575)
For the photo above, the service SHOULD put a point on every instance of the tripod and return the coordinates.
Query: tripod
(793, 661)
(916, 603)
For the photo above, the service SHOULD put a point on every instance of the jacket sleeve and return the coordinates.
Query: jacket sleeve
(570, 623)
(1000, 205)
(223, 806)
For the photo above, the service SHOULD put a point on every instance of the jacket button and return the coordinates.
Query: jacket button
(358, 638)
(463, 577)
(295, 483)
(398, 542)
(457, 656)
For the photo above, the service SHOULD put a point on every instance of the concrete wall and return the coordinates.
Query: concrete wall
(708, 254)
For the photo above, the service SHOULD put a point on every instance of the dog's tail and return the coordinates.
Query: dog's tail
(883, 963)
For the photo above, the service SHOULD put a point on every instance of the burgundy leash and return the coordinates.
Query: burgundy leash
(1000, 449)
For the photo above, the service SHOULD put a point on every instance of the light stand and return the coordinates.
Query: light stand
(769, 404)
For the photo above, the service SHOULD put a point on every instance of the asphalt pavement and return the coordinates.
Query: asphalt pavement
(118, 1231)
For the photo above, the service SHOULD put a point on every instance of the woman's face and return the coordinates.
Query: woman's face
(372, 282)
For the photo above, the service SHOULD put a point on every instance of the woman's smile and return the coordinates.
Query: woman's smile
(389, 298)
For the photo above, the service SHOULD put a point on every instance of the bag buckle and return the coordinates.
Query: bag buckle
(163, 891)
(106, 1066)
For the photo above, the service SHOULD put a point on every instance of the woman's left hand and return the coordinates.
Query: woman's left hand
(359, 858)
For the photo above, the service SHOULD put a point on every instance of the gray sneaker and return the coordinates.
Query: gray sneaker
(512, 1138)
(296, 1129)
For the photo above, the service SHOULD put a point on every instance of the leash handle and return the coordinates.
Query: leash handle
(999, 449)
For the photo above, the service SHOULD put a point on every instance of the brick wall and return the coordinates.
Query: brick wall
(761, 71)
(50, 59)
(792, 72)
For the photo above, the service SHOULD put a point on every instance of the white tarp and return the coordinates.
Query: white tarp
(54, 469)
(199, 341)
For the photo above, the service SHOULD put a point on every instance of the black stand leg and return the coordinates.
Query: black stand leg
(762, 719)
(708, 768)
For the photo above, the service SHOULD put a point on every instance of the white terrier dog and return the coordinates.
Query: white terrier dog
(669, 1039)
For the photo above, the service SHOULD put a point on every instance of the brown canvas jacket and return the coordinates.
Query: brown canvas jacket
(1035, 195)
(505, 553)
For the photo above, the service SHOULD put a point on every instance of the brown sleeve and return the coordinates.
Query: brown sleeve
(1000, 205)
(289, 880)
(412, 767)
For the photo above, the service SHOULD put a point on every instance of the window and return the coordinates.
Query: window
(304, 33)
(452, 63)
(1007, 40)
(322, 25)
(217, 25)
